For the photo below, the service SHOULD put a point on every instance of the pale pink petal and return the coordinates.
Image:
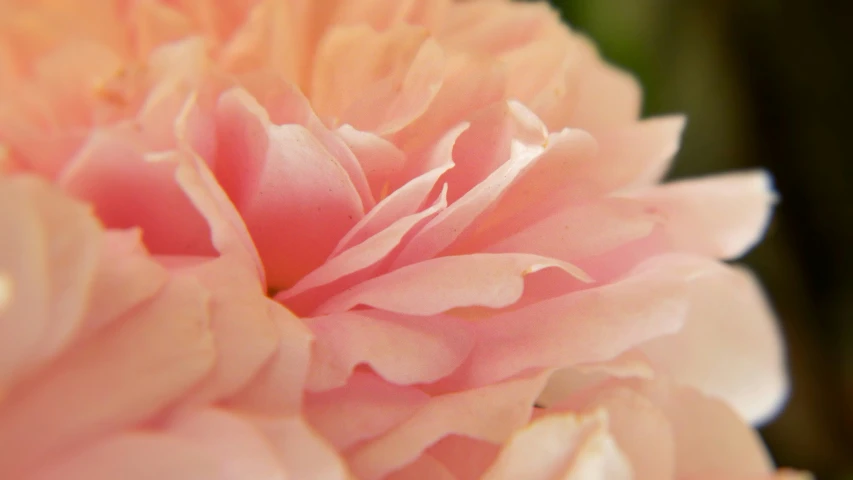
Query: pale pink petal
(641, 153)
(444, 283)
(573, 232)
(136, 456)
(401, 349)
(463, 456)
(379, 158)
(447, 226)
(405, 201)
(721, 216)
(730, 345)
(49, 255)
(496, 27)
(119, 377)
(305, 454)
(364, 408)
(581, 327)
(241, 452)
(562, 446)
(296, 199)
(641, 429)
(709, 436)
(278, 387)
(426, 467)
(489, 413)
(376, 81)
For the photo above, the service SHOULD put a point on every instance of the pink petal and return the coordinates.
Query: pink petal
(403, 350)
(136, 456)
(364, 408)
(391, 76)
(405, 201)
(364, 255)
(641, 153)
(562, 446)
(49, 255)
(490, 413)
(441, 284)
(379, 158)
(122, 193)
(446, 227)
(296, 199)
(117, 378)
(582, 327)
(608, 97)
(156, 24)
(721, 216)
(278, 387)
(239, 449)
(493, 28)
(730, 346)
(465, 457)
(426, 467)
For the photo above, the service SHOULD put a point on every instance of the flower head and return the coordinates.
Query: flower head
(361, 239)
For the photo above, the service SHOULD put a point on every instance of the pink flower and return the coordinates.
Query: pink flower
(361, 239)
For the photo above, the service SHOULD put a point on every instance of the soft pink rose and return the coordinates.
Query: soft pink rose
(361, 239)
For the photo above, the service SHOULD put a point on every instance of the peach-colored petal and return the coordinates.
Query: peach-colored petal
(126, 277)
(582, 327)
(721, 216)
(281, 177)
(49, 254)
(641, 429)
(729, 346)
(239, 449)
(245, 335)
(136, 456)
(463, 456)
(278, 387)
(641, 153)
(709, 436)
(562, 446)
(401, 349)
(607, 97)
(120, 376)
(364, 408)
(390, 77)
(435, 286)
(304, 453)
(426, 467)
(156, 24)
(379, 158)
(489, 413)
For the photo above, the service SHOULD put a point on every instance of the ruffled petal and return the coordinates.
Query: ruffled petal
(489, 413)
(444, 283)
(403, 350)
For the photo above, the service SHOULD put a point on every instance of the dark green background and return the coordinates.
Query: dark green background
(767, 83)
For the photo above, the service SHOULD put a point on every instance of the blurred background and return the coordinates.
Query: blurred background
(767, 83)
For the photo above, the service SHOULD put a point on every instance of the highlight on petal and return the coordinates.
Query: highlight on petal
(562, 446)
(49, 258)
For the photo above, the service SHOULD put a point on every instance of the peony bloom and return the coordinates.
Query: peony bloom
(361, 239)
